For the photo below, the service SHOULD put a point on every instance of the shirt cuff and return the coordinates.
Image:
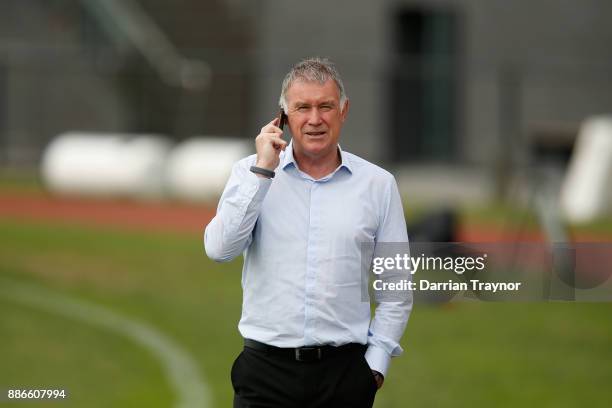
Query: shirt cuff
(378, 359)
(255, 188)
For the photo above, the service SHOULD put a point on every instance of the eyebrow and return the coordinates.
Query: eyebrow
(328, 102)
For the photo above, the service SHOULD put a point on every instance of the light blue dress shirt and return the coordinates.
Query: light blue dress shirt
(301, 240)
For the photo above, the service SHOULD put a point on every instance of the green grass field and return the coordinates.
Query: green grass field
(459, 355)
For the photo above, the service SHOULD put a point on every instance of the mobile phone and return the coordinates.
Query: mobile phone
(282, 119)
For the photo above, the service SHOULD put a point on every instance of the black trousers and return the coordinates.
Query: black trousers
(267, 380)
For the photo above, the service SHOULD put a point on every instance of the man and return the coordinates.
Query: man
(300, 213)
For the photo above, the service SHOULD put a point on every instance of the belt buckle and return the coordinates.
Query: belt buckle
(302, 353)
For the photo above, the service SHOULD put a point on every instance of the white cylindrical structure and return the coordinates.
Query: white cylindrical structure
(586, 191)
(197, 169)
(101, 164)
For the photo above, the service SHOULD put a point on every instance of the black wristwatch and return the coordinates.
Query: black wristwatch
(264, 172)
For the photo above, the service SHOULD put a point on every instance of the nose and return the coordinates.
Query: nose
(314, 117)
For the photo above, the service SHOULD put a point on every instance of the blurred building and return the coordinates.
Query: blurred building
(120, 65)
(474, 82)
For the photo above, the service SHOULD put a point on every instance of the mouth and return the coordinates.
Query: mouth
(315, 134)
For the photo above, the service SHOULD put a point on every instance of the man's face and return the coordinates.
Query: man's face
(315, 117)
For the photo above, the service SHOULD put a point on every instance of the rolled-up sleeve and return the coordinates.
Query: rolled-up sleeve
(230, 231)
(390, 319)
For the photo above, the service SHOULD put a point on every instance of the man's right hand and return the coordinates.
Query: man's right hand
(269, 144)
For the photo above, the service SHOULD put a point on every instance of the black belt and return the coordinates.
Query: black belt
(309, 353)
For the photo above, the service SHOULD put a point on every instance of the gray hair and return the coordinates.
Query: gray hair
(312, 69)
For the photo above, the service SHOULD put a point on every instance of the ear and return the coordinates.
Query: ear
(344, 110)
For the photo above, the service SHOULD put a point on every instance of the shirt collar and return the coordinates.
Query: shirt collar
(288, 158)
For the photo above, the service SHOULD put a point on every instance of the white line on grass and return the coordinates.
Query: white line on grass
(179, 366)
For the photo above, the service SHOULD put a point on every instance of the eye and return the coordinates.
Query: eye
(326, 108)
(303, 108)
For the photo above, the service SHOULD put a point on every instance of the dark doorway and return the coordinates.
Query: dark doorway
(423, 84)
(3, 114)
